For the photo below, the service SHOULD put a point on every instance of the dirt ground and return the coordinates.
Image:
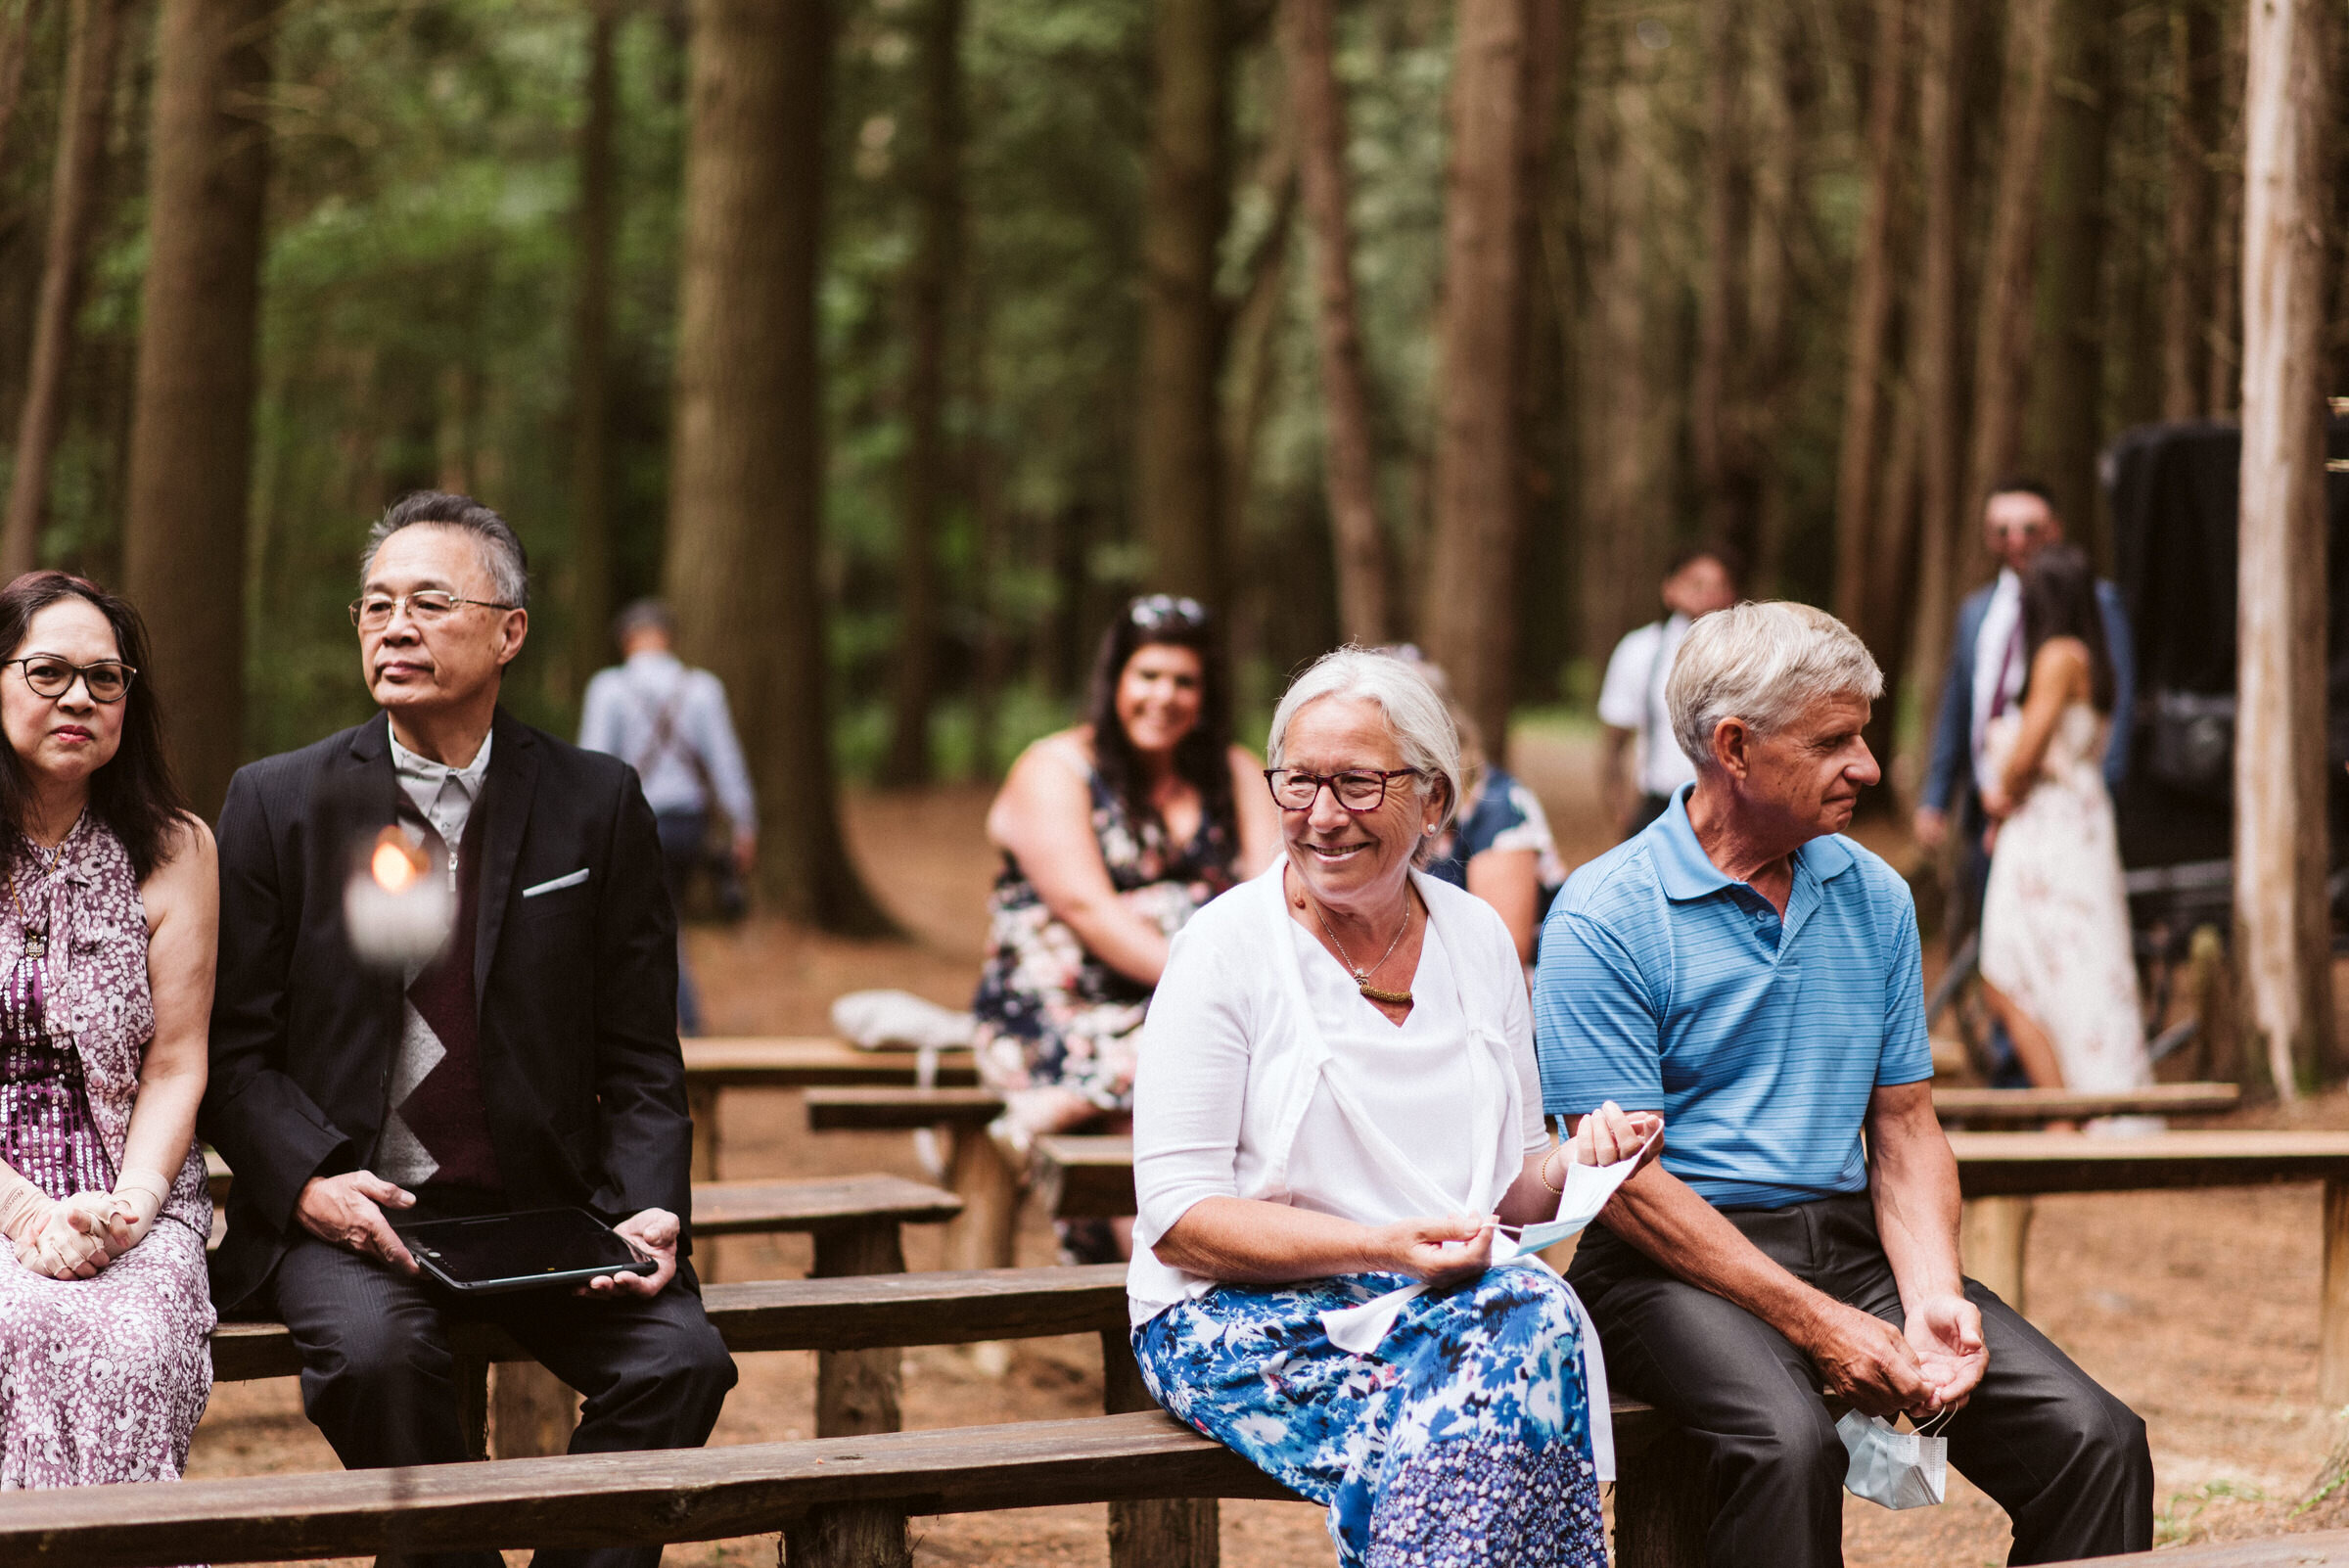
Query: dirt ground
(2198, 1308)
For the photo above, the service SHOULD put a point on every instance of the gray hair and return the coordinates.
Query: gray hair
(1422, 725)
(502, 554)
(1763, 663)
(643, 615)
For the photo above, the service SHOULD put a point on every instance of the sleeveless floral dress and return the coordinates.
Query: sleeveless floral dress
(1051, 1014)
(101, 1379)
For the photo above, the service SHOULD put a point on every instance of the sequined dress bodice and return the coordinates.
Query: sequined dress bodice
(47, 1134)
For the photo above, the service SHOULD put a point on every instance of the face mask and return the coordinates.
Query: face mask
(1891, 1468)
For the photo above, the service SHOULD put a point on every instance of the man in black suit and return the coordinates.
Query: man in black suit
(532, 1063)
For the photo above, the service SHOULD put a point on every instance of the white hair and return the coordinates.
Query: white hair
(1417, 715)
(1765, 663)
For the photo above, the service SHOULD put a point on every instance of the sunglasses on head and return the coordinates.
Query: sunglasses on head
(1162, 610)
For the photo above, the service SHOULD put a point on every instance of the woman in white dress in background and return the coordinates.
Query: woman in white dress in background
(2056, 958)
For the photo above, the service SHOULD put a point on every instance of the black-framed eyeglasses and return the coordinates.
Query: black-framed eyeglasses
(374, 612)
(108, 680)
(1159, 611)
(1358, 789)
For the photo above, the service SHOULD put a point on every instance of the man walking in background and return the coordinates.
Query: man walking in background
(671, 723)
(1702, 578)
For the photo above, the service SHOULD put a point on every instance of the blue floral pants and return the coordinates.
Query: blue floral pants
(1463, 1439)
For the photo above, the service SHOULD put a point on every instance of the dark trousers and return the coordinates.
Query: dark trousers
(376, 1371)
(682, 836)
(2065, 1459)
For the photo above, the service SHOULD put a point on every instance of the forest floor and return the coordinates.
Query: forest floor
(2199, 1308)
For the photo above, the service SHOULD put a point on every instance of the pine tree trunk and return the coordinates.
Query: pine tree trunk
(84, 109)
(2193, 141)
(191, 443)
(935, 272)
(591, 361)
(1763, 392)
(1711, 440)
(2002, 333)
(1348, 465)
(1892, 577)
(746, 475)
(1177, 469)
(1940, 403)
(1859, 460)
(2068, 375)
(2284, 936)
(1469, 617)
(2226, 327)
(15, 40)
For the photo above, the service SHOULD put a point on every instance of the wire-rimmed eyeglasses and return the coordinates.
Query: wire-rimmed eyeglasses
(374, 612)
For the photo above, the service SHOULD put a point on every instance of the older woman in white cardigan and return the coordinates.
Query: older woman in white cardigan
(1336, 1099)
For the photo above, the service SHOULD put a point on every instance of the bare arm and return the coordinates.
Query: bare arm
(1912, 1177)
(182, 896)
(1045, 817)
(1260, 819)
(1614, 784)
(2058, 675)
(1510, 881)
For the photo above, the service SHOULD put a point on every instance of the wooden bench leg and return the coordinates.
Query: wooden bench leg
(1662, 1506)
(1166, 1532)
(701, 1103)
(857, 1391)
(531, 1411)
(1990, 1244)
(472, 1376)
(984, 1235)
(848, 1534)
(2332, 1321)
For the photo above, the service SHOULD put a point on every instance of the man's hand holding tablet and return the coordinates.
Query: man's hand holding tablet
(654, 1233)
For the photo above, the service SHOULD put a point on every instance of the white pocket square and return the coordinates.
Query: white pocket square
(558, 885)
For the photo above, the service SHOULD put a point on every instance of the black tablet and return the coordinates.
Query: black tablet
(528, 1251)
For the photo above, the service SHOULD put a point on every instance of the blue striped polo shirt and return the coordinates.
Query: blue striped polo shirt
(1665, 986)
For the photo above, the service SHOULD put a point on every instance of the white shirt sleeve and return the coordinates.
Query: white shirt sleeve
(714, 738)
(1623, 695)
(1188, 1085)
(599, 715)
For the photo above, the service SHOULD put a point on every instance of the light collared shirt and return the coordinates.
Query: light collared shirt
(1631, 697)
(443, 796)
(1999, 665)
(1665, 986)
(671, 724)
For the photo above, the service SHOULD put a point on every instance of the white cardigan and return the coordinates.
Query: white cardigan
(1232, 1057)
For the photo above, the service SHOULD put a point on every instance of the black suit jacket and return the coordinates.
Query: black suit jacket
(576, 987)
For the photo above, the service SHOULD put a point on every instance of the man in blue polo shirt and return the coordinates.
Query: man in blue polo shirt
(1742, 968)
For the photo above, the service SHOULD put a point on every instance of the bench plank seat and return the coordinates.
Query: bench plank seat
(844, 1110)
(764, 1208)
(2014, 1163)
(812, 1062)
(2312, 1551)
(2034, 1107)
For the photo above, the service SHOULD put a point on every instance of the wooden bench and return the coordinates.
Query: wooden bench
(712, 1065)
(1094, 1177)
(1984, 1108)
(984, 1235)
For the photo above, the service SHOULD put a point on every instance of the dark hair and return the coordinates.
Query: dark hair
(1725, 556)
(133, 793)
(2059, 600)
(501, 548)
(1203, 756)
(2023, 485)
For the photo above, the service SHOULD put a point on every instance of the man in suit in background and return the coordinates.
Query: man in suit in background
(532, 1062)
(1984, 678)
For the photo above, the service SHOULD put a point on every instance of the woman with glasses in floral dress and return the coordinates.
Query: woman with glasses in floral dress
(1113, 833)
(107, 933)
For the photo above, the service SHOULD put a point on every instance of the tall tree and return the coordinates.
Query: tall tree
(1859, 457)
(191, 434)
(81, 120)
(1349, 466)
(932, 280)
(591, 357)
(1468, 620)
(2223, 370)
(2194, 62)
(2066, 395)
(1762, 406)
(15, 34)
(1940, 402)
(746, 472)
(1713, 437)
(2283, 934)
(2002, 334)
(1178, 490)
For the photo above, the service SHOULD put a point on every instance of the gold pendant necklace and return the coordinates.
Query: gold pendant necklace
(1361, 977)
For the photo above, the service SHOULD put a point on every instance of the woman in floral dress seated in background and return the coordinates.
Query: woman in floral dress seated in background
(107, 931)
(1113, 833)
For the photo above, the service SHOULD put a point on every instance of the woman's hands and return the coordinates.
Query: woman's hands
(1611, 1133)
(1441, 1252)
(70, 1243)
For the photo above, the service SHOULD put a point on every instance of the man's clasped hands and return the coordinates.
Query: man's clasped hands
(74, 1237)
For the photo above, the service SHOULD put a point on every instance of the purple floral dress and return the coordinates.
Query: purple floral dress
(101, 1379)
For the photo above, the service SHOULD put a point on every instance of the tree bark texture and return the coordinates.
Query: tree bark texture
(2002, 334)
(1712, 442)
(746, 473)
(931, 285)
(1859, 458)
(2066, 397)
(1178, 462)
(16, 41)
(2225, 381)
(1760, 392)
(2193, 142)
(1468, 618)
(84, 109)
(1350, 471)
(591, 360)
(2284, 937)
(191, 440)
(1940, 400)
